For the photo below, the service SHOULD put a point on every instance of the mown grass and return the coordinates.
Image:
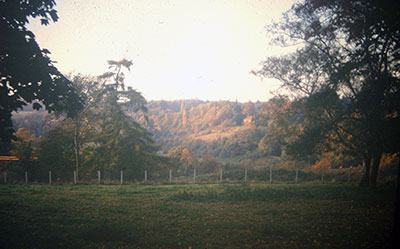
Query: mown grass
(197, 216)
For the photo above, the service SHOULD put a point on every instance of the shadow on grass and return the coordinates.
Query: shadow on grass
(110, 233)
(285, 193)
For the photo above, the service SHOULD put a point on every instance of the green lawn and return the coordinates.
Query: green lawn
(197, 216)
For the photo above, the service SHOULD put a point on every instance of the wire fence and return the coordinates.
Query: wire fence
(193, 176)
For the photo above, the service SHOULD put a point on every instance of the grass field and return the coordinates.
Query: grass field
(196, 216)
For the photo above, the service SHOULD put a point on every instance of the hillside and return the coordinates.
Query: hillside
(225, 129)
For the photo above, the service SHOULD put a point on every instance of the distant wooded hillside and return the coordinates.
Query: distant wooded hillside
(224, 129)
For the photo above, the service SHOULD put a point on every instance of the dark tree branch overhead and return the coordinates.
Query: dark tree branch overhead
(27, 74)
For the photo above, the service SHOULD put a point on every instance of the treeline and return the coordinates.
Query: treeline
(210, 135)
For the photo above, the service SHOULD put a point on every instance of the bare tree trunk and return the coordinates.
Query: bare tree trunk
(367, 165)
(375, 170)
(76, 146)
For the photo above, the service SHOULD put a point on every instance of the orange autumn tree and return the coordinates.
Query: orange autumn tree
(188, 160)
(24, 149)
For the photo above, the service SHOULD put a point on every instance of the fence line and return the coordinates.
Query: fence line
(243, 175)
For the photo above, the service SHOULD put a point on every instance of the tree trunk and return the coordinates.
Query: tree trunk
(366, 178)
(76, 147)
(375, 170)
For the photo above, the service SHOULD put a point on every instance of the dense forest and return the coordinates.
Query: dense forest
(223, 129)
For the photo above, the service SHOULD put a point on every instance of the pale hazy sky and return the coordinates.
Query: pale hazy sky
(181, 49)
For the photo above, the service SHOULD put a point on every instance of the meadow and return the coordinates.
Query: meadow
(256, 215)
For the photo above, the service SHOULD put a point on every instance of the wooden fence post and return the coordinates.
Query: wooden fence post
(74, 177)
(26, 177)
(122, 177)
(170, 176)
(145, 175)
(245, 175)
(270, 174)
(297, 175)
(98, 177)
(194, 175)
(49, 177)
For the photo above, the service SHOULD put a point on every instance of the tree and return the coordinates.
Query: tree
(210, 164)
(55, 149)
(249, 109)
(26, 71)
(189, 160)
(24, 148)
(270, 145)
(281, 121)
(346, 69)
(79, 123)
(24, 143)
(101, 135)
(175, 154)
(80, 117)
(121, 140)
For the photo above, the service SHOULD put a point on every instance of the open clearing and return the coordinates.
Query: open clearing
(197, 216)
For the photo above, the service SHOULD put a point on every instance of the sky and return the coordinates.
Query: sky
(181, 49)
